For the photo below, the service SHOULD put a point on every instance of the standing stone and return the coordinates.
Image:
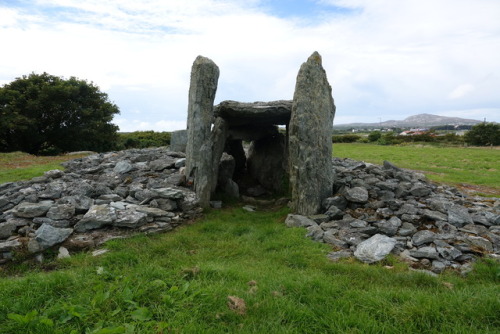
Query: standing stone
(310, 138)
(204, 78)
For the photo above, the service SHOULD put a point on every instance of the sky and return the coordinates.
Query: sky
(385, 59)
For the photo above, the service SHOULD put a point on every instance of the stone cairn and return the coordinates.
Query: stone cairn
(97, 198)
(378, 210)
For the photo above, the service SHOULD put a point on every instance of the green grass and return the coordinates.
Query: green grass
(454, 165)
(179, 282)
(17, 166)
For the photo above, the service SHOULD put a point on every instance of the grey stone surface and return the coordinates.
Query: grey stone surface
(7, 229)
(48, 236)
(256, 113)
(459, 216)
(178, 141)
(97, 217)
(266, 162)
(61, 212)
(389, 227)
(199, 164)
(31, 210)
(123, 167)
(356, 195)
(130, 219)
(375, 248)
(299, 221)
(428, 252)
(423, 237)
(310, 129)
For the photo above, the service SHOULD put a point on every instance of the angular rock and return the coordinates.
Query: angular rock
(334, 212)
(434, 215)
(356, 195)
(447, 251)
(298, 221)
(315, 232)
(170, 193)
(407, 229)
(389, 227)
(98, 216)
(484, 245)
(310, 130)
(420, 190)
(338, 201)
(48, 236)
(130, 219)
(7, 229)
(374, 249)
(330, 238)
(423, 237)
(31, 210)
(161, 164)
(123, 167)
(459, 216)
(61, 212)
(427, 252)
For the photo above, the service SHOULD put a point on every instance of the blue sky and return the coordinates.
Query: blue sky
(385, 59)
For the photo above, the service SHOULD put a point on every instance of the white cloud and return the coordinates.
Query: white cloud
(461, 91)
(386, 58)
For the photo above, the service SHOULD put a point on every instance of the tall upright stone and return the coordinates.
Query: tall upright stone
(199, 157)
(310, 138)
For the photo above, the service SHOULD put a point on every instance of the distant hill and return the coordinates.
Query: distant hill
(416, 121)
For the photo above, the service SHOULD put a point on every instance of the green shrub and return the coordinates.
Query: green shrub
(483, 134)
(374, 136)
(143, 139)
(345, 138)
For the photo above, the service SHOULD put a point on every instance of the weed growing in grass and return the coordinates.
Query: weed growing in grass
(181, 282)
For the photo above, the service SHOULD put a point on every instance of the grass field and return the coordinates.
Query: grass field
(180, 282)
(17, 166)
(454, 165)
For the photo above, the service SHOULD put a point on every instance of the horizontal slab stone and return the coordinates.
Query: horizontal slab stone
(261, 113)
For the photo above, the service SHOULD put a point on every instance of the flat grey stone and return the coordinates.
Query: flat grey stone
(298, 221)
(32, 210)
(98, 216)
(427, 252)
(423, 237)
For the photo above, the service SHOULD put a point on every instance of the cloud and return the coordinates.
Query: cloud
(384, 58)
(461, 91)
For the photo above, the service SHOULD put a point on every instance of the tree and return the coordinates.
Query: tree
(483, 134)
(41, 113)
(374, 136)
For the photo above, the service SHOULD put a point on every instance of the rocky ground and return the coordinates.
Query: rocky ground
(378, 210)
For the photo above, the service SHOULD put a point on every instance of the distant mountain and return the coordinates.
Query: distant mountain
(416, 121)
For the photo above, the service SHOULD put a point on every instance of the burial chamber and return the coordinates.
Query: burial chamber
(255, 148)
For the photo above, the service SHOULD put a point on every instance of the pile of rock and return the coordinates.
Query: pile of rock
(379, 210)
(97, 198)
